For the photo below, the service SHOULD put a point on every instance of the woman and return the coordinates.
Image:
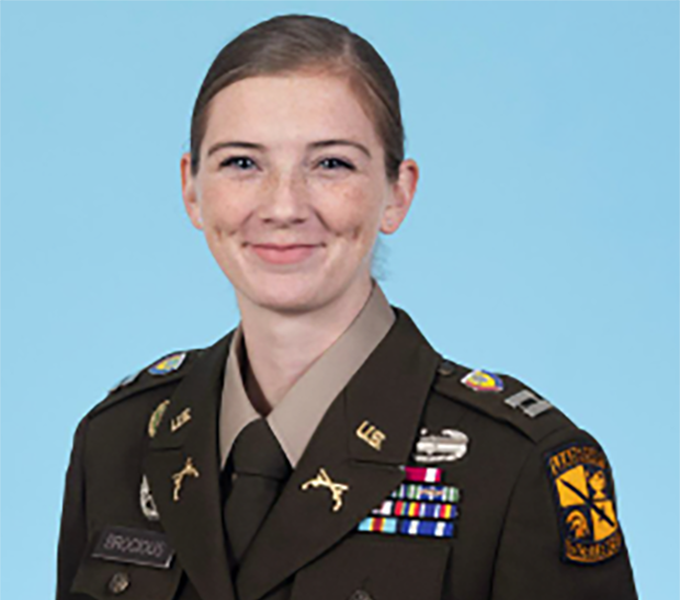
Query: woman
(322, 448)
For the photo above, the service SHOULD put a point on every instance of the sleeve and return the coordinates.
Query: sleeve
(73, 528)
(561, 537)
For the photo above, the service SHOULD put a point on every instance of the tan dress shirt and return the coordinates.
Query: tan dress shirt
(295, 418)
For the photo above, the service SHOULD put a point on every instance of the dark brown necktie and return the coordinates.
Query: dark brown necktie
(256, 471)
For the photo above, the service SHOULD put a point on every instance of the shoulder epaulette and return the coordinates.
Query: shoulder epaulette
(501, 397)
(162, 371)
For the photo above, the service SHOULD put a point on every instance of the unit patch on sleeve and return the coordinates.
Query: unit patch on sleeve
(583, 491)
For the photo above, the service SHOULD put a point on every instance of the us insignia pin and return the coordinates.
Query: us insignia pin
(324, 480)
(157, 417)
(168, 364)
(180, 420)
(583, 490)
(447, 446)
(146, 501)
(482, 381)
(370, 434)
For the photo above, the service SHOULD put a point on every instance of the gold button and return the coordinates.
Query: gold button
(119, 583)
(446, 367)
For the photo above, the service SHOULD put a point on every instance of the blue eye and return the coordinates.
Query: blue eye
(237, 160)
(336, 161)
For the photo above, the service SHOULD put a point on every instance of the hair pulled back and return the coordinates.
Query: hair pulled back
(304, 43)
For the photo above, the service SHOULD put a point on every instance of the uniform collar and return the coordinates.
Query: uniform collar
(295, 418)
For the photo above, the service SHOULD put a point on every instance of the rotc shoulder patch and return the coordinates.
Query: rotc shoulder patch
(584, 495)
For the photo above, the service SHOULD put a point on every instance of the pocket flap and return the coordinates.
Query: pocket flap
(105, 579)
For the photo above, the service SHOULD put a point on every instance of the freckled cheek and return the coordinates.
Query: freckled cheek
(222, 214)
(353, 216)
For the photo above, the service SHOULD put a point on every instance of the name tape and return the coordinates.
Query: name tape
(134, 546)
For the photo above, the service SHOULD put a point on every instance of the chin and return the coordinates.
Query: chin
(289, 293)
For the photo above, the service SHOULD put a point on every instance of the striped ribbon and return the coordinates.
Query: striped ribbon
(414, 527)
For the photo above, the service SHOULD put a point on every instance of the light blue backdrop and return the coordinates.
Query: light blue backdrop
(543, 241)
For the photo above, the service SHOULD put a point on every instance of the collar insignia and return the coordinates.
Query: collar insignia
(324, 480)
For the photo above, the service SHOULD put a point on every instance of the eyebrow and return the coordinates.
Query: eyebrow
(314, 145)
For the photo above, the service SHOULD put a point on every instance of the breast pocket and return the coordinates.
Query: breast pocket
(370, 567)
(104, 579)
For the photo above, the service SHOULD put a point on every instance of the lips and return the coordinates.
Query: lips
(282, 247)
(284, 254)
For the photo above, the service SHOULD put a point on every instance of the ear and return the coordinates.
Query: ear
(189, 195)
(401, 196)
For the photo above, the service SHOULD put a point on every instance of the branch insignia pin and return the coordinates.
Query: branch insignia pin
(188, 470)
(324, 480)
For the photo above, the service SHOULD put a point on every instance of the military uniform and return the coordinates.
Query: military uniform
(413, 478)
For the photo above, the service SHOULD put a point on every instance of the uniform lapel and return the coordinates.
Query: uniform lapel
(388, 392)
(193, 522)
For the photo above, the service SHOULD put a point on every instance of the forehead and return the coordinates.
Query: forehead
(286, 108)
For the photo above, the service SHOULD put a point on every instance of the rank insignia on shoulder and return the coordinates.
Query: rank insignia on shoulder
(583, 492)
(529, 403)
(128, 379)
(482, 381)
(168, 364)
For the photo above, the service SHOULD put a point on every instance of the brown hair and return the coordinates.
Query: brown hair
(292, 43)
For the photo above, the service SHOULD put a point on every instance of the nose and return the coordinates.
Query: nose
(285, 197)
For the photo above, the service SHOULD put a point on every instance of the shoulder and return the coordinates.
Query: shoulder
(165, 371)
(502, 398)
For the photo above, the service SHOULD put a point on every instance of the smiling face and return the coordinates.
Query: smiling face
(291, 189)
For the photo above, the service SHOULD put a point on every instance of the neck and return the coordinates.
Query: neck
(279, 347)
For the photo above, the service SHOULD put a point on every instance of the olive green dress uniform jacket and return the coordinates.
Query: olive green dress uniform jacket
(508, 537)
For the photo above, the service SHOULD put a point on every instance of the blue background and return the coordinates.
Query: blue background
(543, 241)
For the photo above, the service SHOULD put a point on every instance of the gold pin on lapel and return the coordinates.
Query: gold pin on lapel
(324, 480)
(181, 419)
(178, 477)
(157, 417)
(371, 435)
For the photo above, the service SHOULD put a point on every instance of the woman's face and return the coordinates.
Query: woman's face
(291, 189)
